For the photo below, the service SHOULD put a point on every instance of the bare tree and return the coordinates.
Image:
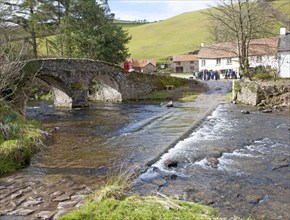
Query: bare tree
(277, 12)
(10, 66)
(10, 59)
(239, 22)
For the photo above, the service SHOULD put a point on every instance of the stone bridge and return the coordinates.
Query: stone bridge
(76, 81)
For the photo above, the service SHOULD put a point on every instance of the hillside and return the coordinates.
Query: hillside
(178, 35)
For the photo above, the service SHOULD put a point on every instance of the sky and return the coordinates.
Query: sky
(154, 10)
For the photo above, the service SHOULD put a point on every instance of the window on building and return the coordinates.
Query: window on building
(191, 62)
(192, 68)
(218, 61)
(202, 62)
(179, 69)
(229, 61)
(178, 63)
(259, 59)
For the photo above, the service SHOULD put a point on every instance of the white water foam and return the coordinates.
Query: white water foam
(213, 129)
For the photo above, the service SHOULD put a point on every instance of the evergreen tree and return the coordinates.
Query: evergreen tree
(88, 31)
(31, 15)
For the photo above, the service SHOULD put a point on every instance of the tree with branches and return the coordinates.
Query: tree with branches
(30, 15)
(240, 22)
(88, 31)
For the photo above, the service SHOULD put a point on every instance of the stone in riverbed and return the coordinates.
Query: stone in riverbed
(62, 198)
(66, 205)
(78, 197)
(60, 213)
(16, 195)
(45, 215)
(253, 198)
(267, 111)
(279, 163)
(158, 182)
(245, 112)
(32, 203)
(58, 193)
(169, 104)
(21, 212)
(171, 163)
(213, 161)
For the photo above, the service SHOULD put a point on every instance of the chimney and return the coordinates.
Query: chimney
(203, 44)
(282, 31)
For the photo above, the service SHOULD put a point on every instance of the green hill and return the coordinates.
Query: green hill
(159, 40)
(179, 35)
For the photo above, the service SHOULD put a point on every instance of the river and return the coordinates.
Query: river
(250, 179)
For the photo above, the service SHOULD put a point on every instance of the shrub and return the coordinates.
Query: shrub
(264, 76)
(19, 139)
(237, 87)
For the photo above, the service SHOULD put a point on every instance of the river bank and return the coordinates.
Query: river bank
(89, 143)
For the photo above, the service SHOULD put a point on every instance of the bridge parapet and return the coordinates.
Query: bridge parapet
(76, 81)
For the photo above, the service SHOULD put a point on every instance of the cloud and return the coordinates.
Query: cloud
(186, 6)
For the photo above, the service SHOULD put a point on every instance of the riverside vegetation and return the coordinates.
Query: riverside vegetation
(112, 201)
(20, 138)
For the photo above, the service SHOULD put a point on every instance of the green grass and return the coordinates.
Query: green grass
(189, 96)
(177, 35)
(228, 97)
(157, 95)
(136, 207)
(19, 140)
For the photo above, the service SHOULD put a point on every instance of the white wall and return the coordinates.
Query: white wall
(284, 64)
(211, 64)
(265, 61)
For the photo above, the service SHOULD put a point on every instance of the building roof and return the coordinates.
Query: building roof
(221, 50)
(261, 46)
(284, 43)
(187, 57)
(142, 63)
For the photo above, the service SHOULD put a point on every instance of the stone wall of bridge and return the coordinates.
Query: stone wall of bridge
(76, 81)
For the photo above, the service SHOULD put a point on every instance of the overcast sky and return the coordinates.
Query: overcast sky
(154, 10)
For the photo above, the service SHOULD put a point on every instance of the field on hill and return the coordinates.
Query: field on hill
(178, 35)
(159, 40)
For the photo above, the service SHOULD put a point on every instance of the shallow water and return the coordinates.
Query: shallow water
(251, 178)
(250, 175)
(85, 147)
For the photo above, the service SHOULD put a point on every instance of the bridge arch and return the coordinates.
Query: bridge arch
(76, 81)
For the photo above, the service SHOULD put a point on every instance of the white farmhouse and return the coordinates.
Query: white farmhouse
(224, 56)
(284, 54)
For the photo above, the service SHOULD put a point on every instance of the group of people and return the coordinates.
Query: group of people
(214, 74)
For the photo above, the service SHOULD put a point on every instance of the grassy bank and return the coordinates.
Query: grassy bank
(112, 201)
(184, 90)
(137, 207)
(19, 139)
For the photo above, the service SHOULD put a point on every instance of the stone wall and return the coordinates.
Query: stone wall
(75, 81)
(259, 93)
